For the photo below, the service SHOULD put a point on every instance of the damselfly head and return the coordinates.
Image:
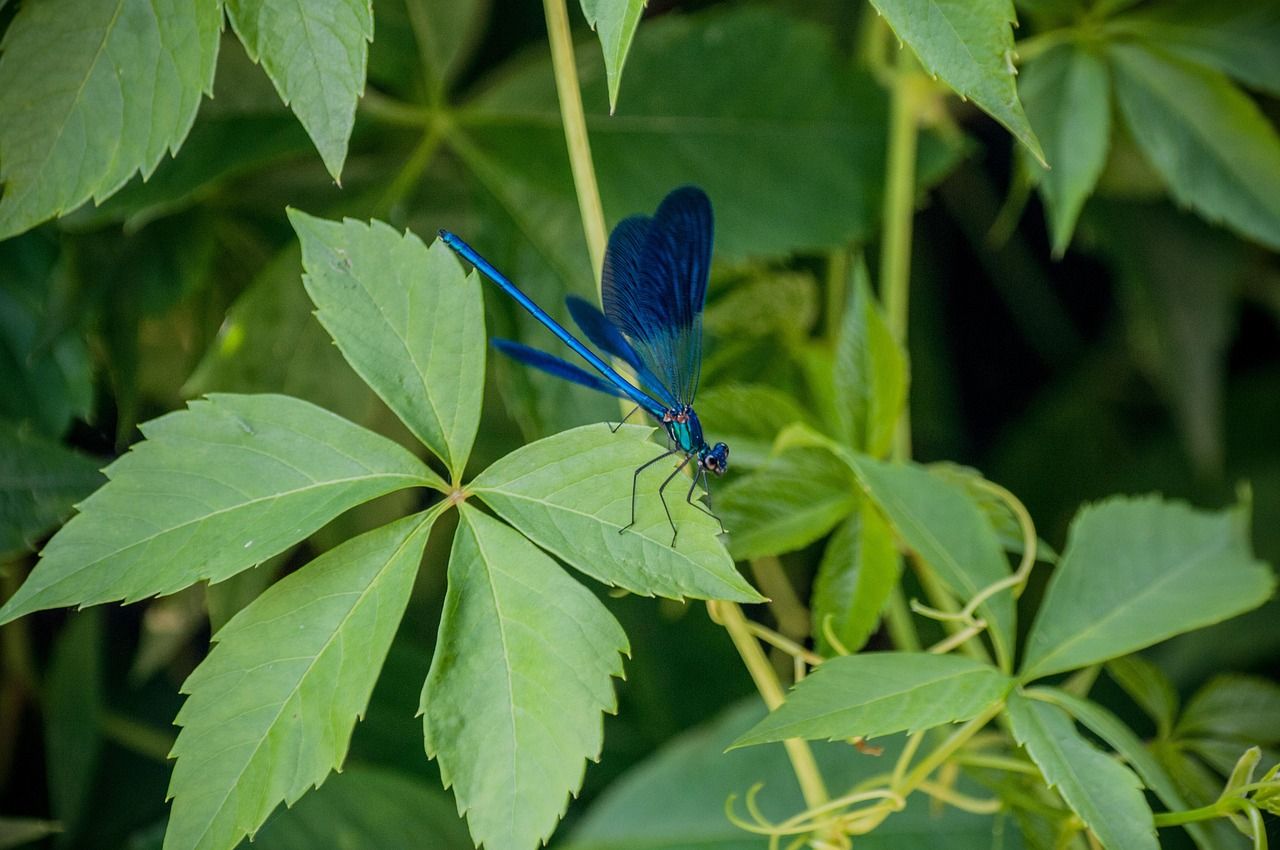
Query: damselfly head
(716, 459)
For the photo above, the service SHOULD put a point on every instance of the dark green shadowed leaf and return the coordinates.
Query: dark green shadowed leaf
(1238, 38)
(39, 482)
(703, 104)
(225, 485)
(1105, 794)
(571, 494)
(408, 320)
(271, 709)
(1245, 708)
(366, 808)
(73, 707)
(615, 21)
(870, 372)
(675, 799)
(879, 693)
(858, 571)
(969, 44)
(942, 524)
(1137, 571)
(793, 500)
(748, 417)
(73, 127)
(1210, 142)
(1148, 686)
(522, 671)
(315, 53)
(1067, 93)
(1129, 747)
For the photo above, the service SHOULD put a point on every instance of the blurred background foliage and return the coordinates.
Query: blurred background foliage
(1145, 358)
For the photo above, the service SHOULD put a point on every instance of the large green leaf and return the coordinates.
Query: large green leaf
(879, 693)
(409, 321)
(1067, 92)
(1212, 145)
(39, 482)
(615, 21)
(969, 44)
(93, 91)
(1105, 794)
(213, 490)
(1137, 571)
(1129, 747)
(858, 571)
(1149, 687)
(571, 494)
(272, 707)
(870, 372)
(522, 671)
(315, 53)
(793, 500)
(703, 105)
(944, 526)
(1238, 38)
(675, 799)
(369, 808)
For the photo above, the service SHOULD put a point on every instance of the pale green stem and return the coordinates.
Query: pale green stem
(575, 131)
(766, 681)
(142, 738)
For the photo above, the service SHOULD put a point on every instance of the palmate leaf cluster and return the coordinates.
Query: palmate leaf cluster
(352, 449)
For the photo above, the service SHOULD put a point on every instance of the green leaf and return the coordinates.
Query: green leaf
(1149, 687)
(315, 54)
(1105, 794)
(74, 128)
(969, 44)
(272, 707)
(1245, 708)
(1212, 145)
(675, 799)
(1237, 38)
(1121, 738)
(793, 500)
(816, 162)
(615, 21)
(408, 320)
(522, 671)
(1067, 93)
(870, 372)
(748, 417)
(428, 41)
(858, 571)
(571, 494)
(46, 378)
(941, 523)
(1137, 571)
(879, 693)
(213, 490)
(370, 808)
(997, 510)
(72, 717)
(40, 480)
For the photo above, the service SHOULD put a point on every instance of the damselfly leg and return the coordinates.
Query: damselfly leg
(706, 509)
(635, 478)
(663, 498)
(614, 428)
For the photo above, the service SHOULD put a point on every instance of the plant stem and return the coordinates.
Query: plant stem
(766, 681)
(899, 210)
(575, 131)
(142, 738)
(837, 283)
(895, 271)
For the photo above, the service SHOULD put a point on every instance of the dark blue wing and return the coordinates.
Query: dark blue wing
(555, 366)
(655, 285)
(605, 336)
